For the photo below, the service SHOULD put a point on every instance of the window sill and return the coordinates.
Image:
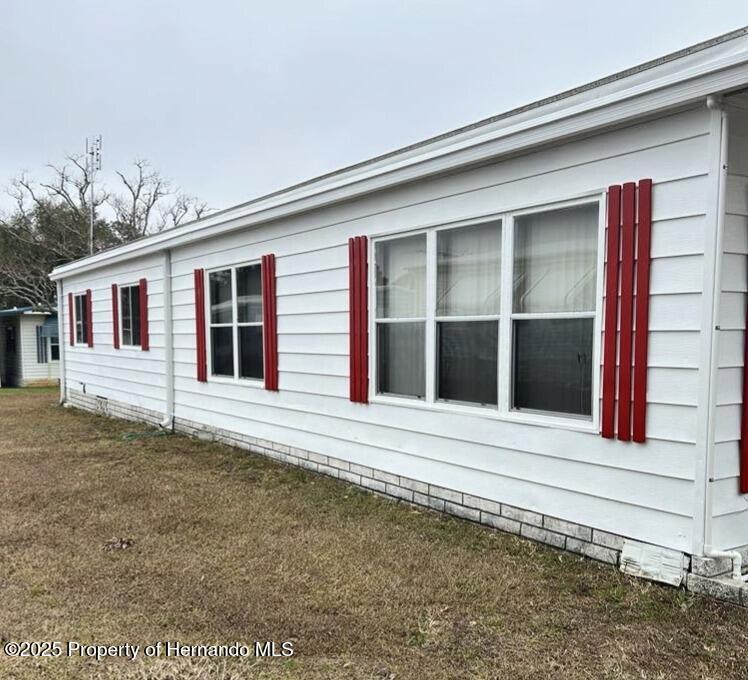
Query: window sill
(490, 413)
(246, 382)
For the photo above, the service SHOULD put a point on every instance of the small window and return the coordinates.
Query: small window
(401, 316)
(555, 277)
(130, 315)
(54, 348)
(236, 322)
(81, 319)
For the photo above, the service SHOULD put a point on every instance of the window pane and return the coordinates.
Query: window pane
(222, 350)
(469, 270)
(555, 258)
(80, 319)
(467, 359)
(401, 277)
(400, 361)
(553, 365)
(220, 297)
(250, 351)
(135, 304)
(249, 294)
(126, 314)
(54, 346)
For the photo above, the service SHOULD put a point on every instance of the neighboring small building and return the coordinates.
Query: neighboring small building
(29, 347)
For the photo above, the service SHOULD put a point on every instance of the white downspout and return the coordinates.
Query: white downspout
(168, 421)
(61, 341)
(715, 104)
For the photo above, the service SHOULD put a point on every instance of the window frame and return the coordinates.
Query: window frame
(505, 385)
(234, 325)
(374, 335)
(120, 317)
(54, 344)
(83, 340)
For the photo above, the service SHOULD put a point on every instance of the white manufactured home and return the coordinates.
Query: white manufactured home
(29, 347)
(536, 322)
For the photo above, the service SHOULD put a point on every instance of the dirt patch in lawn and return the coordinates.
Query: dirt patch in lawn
(109, 537)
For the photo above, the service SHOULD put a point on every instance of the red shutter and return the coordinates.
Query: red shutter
(269, 323)
(115, 316)
(644, 238)
(611, 312)
(89, 317)
(627, 312)
(71, 321)
(144, 336)
(358, 319)
(632, 229)
(202, 367)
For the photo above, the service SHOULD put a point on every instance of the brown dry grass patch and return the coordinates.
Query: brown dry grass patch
(228, 547)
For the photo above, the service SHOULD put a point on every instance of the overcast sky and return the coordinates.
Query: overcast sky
(233, 99)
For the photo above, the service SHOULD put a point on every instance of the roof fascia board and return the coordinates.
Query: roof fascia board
(647, 98)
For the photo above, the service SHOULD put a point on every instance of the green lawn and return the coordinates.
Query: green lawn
(223, 546)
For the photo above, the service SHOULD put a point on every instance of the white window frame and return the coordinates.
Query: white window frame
(120, 319)
(394, 320)
(83, 341)
(503, 411)
(235, 325)
(49, 349)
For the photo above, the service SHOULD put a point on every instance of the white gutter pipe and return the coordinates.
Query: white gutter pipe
(61, 340)
(714, 103)
(168, 421)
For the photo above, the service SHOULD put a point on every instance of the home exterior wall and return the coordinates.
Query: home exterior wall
(567, 472)
(32, 372)
(730, 507)
(127, 374)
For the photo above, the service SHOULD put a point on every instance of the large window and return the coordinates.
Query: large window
(81, 319)
(498, 314)
(236, 322)
(130, 315)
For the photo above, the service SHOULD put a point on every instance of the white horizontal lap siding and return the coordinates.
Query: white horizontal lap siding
(127, 375)
(643, 491)
(730, 508)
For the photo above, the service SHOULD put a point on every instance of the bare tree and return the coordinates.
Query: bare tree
(49, 223)
(150, 204)
(182, 209)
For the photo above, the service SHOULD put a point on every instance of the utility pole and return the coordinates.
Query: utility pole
(93, 165)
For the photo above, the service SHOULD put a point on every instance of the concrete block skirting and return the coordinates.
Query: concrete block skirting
(701, 575)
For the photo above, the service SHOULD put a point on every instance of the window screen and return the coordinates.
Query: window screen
(468, 297)
(401, 315)
(81, 320)
(236, 322)
(130, 312)
(555, 267)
